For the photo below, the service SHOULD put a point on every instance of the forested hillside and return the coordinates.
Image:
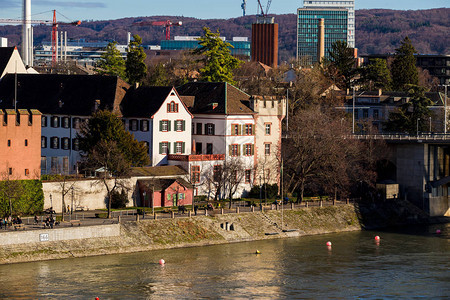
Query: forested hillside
(377, 30)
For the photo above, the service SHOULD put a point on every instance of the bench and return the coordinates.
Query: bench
(314, 199)
(74, 222)
(19, 226)
(81, 208)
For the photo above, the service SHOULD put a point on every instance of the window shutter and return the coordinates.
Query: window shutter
(253, 149)
(160, 125)
(183, 125)
(230, 150)
(141, 125)
(168, 125)
(182, 147)
(168, 148)
(160, 148)
(243, 150)
(206, 128)
(213, 129)
(238, 150)
(239, 129)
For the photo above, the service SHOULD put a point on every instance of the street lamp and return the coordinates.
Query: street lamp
(143, 204)
(71, 207)
(51, 202)
(430, 124)
(417, 126)
(353, 112)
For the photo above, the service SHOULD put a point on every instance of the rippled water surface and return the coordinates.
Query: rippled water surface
(411, 263)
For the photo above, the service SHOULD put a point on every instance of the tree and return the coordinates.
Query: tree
(136, 70)
(413, 115)
(218, 61)
(157, 75)
(108, 157)
(340, 66)
(106, 126)
(403, 68)
(111, 62)
(377, 75)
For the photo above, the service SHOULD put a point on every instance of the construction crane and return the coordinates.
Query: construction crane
(54, 24)
(167, 24)
(264, 14)
(244, 7)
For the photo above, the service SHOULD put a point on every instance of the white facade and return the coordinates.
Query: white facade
(348, 4)
(14, 65)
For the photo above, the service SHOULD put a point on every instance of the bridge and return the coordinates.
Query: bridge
(420, 164)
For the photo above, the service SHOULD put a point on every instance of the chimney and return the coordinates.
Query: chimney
(26, 28)
(321, 41)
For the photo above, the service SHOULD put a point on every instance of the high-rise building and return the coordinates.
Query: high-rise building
(308, 29)
(347, 4)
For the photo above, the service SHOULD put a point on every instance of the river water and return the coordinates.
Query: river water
(407, 263)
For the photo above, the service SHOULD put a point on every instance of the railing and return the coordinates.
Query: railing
(403, 137)
(196, 157)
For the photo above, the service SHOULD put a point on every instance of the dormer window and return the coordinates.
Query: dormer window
(172, 107)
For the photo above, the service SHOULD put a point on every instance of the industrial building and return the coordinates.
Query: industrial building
(265, 41)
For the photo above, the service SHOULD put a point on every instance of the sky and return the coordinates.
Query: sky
(202, 9)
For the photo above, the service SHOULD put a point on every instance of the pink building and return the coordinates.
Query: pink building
(20, 144)
(165, 192)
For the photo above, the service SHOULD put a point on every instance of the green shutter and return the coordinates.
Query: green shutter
(213, 129)
(182, 147)
(160, 125)
(230, 150)
(168, 125)
(160, 148)
(183, 125)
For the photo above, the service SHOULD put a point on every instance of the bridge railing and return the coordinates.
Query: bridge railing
(403, 136)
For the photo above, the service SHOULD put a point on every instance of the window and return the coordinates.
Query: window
(268, 128)
(44, 121)
(195, 174)
(375, 114)
(43, 142)
(133, 125)
(267, 149)
(180, 125)
(164, 125)
(76, 123)
(144, 125)
(55, 122)
(10, 171)
(179, 147)
(26, 143)
(54, 164)
(66, 164)
(209, 129)
(65, 143)
(75, 144)
(234, 129)
(198, 148)
(54, 142)
(248, 129)
(9, 143)
(66, 122)
(172, 107)
(199, 128)
(209, 148)
(147, 144)
(365, 113)
(217, 172)
(248, 149)
(43, 164)
(234, 150)
(164, 148)
(248, 175)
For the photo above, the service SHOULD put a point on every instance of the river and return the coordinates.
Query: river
(407, 263)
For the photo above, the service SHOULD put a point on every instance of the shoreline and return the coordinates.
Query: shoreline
(147, 235)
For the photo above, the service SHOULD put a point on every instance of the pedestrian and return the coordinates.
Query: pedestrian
(36, 220)
(68, 209)
(195, 209)
(1, 223)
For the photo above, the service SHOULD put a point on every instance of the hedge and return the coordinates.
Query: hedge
(27, 197)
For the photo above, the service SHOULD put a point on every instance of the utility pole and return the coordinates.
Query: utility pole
(353, 112)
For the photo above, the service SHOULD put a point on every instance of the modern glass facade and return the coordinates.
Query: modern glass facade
(308, 26)
(348, 4)
(241, 48)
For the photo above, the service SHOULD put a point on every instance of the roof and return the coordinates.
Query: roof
(158, 171)
(5, 56)
(144, 102)
(162, 184)
(215, 98)
(63, 94)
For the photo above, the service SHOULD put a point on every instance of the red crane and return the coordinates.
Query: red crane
(166, 24)
(54, 24)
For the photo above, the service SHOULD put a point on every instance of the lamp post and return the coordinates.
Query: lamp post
(445, 108)
(71, 206)
(51, 202)
(430, 123)
(143, 205)
(260, 192)
(353, 112)
(417, 126)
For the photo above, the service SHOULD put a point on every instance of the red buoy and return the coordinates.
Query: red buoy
(377, 238)
(162, 262)
(329, 244)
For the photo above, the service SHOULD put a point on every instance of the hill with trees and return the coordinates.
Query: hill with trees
(377, 30)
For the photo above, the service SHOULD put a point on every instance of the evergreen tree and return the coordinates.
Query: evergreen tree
(377, 75)
(218, 61)
(341, 64)
(111, 62)
(106, 126)
(136, 69)
(403, 69)
(412, 115)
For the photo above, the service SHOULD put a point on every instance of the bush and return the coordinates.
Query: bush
(271, 190)
(27, 197)
(119, 200)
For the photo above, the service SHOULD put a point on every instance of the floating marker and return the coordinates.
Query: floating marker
(257, 252)
(162, 262)
(377, 238)
(438, 231)
(329, 244)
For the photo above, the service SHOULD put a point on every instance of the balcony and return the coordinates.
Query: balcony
(196, 157)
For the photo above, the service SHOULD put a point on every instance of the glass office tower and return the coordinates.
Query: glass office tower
(308, 27)
(348, 4)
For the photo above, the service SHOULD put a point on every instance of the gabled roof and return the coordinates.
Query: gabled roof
(5, 56)
(144, 102)
(158, 171)
(63, 94)
(215, 98)
(162, 184)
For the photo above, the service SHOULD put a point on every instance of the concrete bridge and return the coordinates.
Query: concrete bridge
(420, 164)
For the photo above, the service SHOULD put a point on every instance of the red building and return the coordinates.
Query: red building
(165, 192)
(265, 43)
